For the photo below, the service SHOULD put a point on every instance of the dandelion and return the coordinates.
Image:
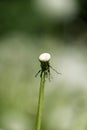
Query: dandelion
(44, 59)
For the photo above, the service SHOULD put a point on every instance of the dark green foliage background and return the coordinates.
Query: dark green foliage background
(24, 35)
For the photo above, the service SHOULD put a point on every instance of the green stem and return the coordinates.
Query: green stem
(40, 102)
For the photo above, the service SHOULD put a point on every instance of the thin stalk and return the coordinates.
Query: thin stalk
(40, 102)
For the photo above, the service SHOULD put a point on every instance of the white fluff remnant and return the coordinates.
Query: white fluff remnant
(44, 57)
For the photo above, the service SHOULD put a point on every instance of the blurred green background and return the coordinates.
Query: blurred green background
(27, 29)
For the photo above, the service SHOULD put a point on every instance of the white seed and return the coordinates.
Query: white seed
(44, 57)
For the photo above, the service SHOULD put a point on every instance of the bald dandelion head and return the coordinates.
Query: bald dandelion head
(44, 57)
